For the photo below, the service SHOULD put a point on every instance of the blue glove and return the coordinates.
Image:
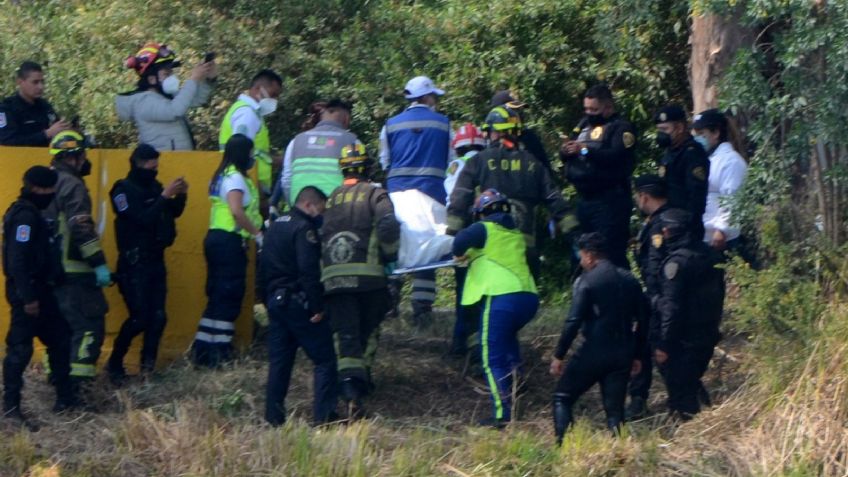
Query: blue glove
(104, 276)
(390, 267)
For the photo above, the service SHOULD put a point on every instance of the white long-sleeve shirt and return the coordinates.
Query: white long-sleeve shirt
(727, 173)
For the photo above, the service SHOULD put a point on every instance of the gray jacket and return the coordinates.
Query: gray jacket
(162, 122)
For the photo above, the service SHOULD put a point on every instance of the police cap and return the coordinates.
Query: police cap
(670, 113)
(143, 153)
(651, 184)
(709, 119)
(40, 176)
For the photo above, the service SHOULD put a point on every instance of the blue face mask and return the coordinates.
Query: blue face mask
(703, 142)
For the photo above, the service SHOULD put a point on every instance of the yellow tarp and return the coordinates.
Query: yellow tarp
(185, 262)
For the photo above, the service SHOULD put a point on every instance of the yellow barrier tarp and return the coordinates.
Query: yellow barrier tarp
(185, 262)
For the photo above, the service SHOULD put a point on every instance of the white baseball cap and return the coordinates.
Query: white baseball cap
(421, 86)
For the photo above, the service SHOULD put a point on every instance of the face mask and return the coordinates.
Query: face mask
(595, 119)
(703, 142)
(144, 176)
(41, 201)
(85, 169)
(267, 106)
(171, 85)
(663, 140)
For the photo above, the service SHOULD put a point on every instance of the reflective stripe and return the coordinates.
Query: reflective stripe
(423, 283)
(217, 324)
(348, 269)
(208, 338)
(346, 364)
(490, 376)
(87, 340)
(317, 169)
(423, 296)
(455, 222)
(83, 370)
(90, 248)
(417, 125)
(416, 171)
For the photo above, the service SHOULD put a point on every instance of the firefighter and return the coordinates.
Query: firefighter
(360, 239)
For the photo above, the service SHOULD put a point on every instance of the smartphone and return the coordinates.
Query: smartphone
(210, 56)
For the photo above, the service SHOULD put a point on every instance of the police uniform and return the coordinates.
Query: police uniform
(243, 118)
(359, 236)
(415, 151)
(517, 174)
(23, 123)
(601, 174)
(81, 300)
(144, 228)
(500, 281)
(32, 266)
(610, 311)
(689, 308)
(225, 248)
(290, 277)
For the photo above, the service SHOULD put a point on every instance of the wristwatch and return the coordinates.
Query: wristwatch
(584, 151)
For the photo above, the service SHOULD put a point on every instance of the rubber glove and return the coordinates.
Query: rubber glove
(104, 276)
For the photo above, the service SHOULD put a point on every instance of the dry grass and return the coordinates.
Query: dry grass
(203, 423)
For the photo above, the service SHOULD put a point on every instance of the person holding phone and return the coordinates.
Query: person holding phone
(26, 118)
(145, 214)
(159, 104)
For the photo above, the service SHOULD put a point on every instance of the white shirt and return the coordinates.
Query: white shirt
(727, 173)
(454, 169)
(385, 150)
(246, 120)
(234, 182)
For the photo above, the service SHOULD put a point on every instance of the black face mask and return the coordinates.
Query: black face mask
(41, 201)
(595, 119)
(85, 169)
(143, 176)
(663, 140)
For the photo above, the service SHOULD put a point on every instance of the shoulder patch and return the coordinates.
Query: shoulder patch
(2, 120)
(121, 203)
(699, 173)
(596, 133)
(23, 233)
(628, 139)
(657, 240)
(670, 270)
(311, 236)
(661, 171)
(452, 168)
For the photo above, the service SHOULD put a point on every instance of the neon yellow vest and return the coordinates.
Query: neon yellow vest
(221, 218)
(499, 268)
(261, 144)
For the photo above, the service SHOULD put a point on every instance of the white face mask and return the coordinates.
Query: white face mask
(171, 85)
(267, 106)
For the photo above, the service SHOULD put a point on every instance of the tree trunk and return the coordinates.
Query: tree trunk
(714, 40)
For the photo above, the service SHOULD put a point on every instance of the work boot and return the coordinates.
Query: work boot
(493, 422)
(704, 396)
(394, 285)
(562, 419)
(117, 373)
(614, 425)
(351, 393)
(65, 404)
(636, 409)
(13, 413)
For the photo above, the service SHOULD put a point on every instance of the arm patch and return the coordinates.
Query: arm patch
(23, 233)
(670, 270)
(121, 202)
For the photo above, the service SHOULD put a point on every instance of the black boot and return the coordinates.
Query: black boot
(704, 396)
(562, 417)
(637, 409)
(614, 425)
(12, 411)
(351, 392)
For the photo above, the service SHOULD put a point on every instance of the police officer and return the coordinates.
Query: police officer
(500, 281)
(80, 297)
(415, 149)
(247, 116)
(32, 267)
(599, 159)
(685, 165)
(290, 276)
(689, 309)
(360, 238)
(26, 118)
(513, 171)
(651, 200)
(609, 310)
(144, 227)
(312, 157)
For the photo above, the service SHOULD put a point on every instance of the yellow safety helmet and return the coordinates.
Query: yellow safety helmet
(354, 158)
(502, 118)
(68, 141)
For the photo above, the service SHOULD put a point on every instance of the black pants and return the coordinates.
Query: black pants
(143, 286)
(52, 330)
(640, 385)
(83, 306)
(609, 215)
(355, 319)
(226, 261)
(290, 329)
(682, 373)
(609, 367)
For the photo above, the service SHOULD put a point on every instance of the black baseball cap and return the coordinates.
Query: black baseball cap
(670, 113)
(651, 184)
(711, 118)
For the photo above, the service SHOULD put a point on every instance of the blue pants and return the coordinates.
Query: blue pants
(226, 261)
(290, 329)
(501, 318)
